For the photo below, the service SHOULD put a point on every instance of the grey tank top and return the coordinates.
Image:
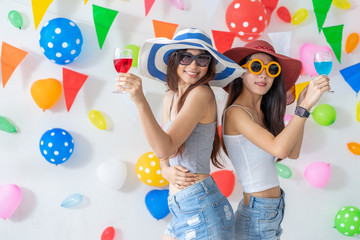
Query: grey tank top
(197, 148)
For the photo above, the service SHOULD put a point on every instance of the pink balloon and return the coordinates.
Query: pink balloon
(10, 197)
(287, 118)
(178, 4)
(318, 174)
(306, 55)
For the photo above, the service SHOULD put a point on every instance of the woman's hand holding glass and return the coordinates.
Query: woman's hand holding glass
(131, 84)
(312, 93)
(178, 176)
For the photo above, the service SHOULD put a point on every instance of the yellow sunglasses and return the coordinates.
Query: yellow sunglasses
(256, 66)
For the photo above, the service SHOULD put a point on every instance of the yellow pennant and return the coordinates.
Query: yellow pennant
(299, 87)
(39, 8)
(85, 2)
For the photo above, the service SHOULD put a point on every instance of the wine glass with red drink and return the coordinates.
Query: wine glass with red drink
(122, 62)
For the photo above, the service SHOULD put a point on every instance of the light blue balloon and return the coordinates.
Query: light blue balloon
(56, 145)
(72, 201)
(61, 40)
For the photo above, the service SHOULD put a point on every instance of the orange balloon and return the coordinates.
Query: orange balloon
(354, 148)
(351, 42)
(46, 92)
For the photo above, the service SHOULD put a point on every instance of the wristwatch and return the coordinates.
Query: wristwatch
(301, 112)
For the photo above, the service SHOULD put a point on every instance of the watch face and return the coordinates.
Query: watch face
(300, 111)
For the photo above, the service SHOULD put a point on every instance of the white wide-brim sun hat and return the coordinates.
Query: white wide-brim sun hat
(154, 53)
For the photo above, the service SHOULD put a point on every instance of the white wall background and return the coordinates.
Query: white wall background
(310, 211)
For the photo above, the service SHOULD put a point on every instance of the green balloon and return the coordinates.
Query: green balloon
(6, 126)
(15, 19)
(283, 171)
(324, 114)
(135, 49)
(347, 221)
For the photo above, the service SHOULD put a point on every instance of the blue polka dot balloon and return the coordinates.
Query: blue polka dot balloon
(61, 40)
(56, 145)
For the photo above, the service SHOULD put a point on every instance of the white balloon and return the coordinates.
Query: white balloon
(112, 173)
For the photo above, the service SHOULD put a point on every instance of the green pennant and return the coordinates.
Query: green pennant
(103, 19)
(333, 36)
(321, 8)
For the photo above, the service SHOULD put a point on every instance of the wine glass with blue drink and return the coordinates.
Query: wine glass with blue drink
(323, 63)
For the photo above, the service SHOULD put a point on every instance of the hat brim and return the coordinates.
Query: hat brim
(290, 67)
(154, 54)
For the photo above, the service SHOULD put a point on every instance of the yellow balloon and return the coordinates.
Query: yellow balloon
(299, 16)
(46, 92)
(148, 170)
(358, 111)
(343, 4)
(97, 119)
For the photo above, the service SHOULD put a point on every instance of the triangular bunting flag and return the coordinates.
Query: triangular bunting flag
(11, 57)
(281, 42)
(103, 19)
(352, 76)
(299, 87)
(223, 40)
(39, 8)
(333, 36)
(321, 9)
(269, 5)
(164, 29)
(72, 82)
(85, 2)
(148, 6)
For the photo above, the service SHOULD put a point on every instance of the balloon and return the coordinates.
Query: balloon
(284, 14)
(61, 40)
(15, 19)
(324, 114)
(72, 200)
(283, 171)
(148, 170)
(347, 221)
(97, 119)
(318, 174)
(10, 198)
(343, 4)
(46, 92)
(135, 49)
(156, 203)
(247, 18)
(179, 4)
(354, 148)
(351, 42)
(108, 234)
(225, 180)
(358, 111)
(112, 173)
(306, 55)
(56, 145)
(299, 16)
(219, 128)
(6, 125)
(287, 118)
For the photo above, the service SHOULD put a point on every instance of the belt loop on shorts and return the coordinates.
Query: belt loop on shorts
(251, 202)
(204, 186)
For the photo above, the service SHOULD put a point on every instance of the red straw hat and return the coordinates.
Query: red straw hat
(290, 67)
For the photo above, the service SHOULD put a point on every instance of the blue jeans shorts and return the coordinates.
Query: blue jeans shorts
(200, 211)
(261, 219)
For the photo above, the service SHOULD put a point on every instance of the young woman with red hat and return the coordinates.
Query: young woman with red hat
(189, 65)
(254, 135)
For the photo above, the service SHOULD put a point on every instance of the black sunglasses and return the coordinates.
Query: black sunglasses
(201, 60)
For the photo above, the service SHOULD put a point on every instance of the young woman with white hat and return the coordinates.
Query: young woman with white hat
(188, 64)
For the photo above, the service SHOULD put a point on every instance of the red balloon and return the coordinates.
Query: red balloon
(225, 179)
(284, 14)
(247, 18)
(108, 234)
(220, 131)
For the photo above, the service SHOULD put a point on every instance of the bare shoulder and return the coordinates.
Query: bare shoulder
(201, 92)
(167, 98)
(238, 118)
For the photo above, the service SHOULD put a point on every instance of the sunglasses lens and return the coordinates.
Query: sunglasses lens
(185, 59)
(203, 60)
(273, 69)
(256, 66)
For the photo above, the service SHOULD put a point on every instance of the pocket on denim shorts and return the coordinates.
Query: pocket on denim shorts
(242, 226)
(189, 205)
(272, 215)
(224, 213)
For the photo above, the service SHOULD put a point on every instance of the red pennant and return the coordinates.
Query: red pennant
(223, 40)
(148, 6)
(72, 82)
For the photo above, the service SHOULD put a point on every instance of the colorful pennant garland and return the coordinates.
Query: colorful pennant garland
(164, 29)
(321, 9)
(148, 6)
(39, 8)
(223, 40)
(72, 83)
(333, 36)
(11, 57)
(352, 76)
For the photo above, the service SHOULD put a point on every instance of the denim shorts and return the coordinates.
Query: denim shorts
(261, 219)
(200, 211)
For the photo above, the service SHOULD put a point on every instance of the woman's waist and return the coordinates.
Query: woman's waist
(271, 193)
(174, 190)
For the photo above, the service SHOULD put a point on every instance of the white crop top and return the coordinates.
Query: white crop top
(255, 167)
